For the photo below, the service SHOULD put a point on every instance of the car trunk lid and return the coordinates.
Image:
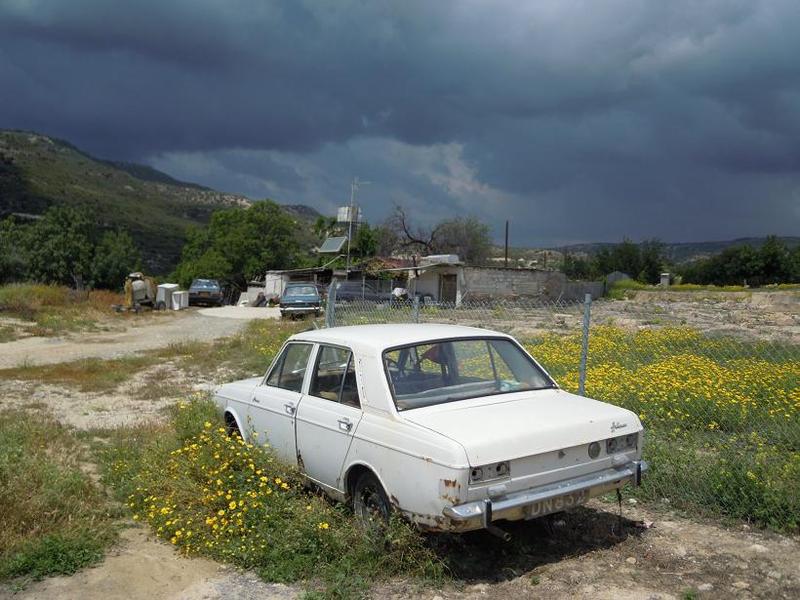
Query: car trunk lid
(510, 426)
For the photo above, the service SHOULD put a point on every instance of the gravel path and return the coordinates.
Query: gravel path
(154, 332)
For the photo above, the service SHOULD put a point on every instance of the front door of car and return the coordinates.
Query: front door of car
(328, 416)
(274, 404)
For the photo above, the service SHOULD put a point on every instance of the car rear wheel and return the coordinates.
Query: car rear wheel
(370, 503)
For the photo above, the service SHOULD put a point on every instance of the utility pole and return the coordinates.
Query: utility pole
(354, 185)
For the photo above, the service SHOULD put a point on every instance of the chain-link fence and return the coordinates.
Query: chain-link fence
(720, 404)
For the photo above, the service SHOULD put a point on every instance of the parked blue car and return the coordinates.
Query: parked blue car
(300, 299)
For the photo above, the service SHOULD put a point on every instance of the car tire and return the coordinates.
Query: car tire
(370, 503)
(231, 427)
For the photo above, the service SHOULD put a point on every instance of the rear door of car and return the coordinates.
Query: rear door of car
(274, 403)
(328, 416)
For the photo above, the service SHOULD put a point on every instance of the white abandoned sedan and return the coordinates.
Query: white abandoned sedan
(454, 427)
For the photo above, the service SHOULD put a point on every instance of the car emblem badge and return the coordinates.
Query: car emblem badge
(615, 426)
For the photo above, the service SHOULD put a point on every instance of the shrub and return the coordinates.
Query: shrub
(218, 496)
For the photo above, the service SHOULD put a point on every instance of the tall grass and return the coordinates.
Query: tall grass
(54, 519)
(54, 309)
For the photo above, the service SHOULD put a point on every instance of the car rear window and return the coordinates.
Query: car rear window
(300, 290)
(451, 370)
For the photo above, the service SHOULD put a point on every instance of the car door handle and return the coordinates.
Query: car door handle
(289, 408)
(345, 424)
(256, 400)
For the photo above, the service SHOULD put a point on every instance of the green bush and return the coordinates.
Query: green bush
(214, 495)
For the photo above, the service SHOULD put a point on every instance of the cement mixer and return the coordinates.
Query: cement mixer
(139, 291)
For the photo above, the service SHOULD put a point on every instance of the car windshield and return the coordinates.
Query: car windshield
(205, 284)
(450, 370)
(300, 290)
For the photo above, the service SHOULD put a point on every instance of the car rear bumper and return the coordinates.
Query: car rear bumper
(198, 299)
(547, 499)
(296, 310)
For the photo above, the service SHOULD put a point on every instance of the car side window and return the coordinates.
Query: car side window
(289, 371)
(335, 376)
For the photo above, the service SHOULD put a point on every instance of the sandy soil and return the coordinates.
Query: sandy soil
(142, 568)
(763, 315)
(773, 316)
(156, 332)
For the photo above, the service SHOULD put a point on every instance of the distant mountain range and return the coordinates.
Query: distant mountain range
(679, 252)
(38, 171)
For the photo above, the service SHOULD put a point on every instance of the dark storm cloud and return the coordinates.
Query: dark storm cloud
(579, 120)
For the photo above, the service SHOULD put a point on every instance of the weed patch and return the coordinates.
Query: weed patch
(210, 494)
(54, 519)
(722, 416)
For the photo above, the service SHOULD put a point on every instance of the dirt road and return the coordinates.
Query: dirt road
(141, 334)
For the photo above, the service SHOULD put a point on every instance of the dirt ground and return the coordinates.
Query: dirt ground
(652, 552)
(156, 331)
(589, 553)
(773, 316)
(763, 315)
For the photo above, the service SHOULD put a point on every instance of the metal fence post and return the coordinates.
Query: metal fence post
(330, 306)
(416, 309)
(587, 316)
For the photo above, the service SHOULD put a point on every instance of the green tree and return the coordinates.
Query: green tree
(651, 261)
(114, 257)
(576, 267)
(465, 236)
(240, 244)
(627, 257)
(365, 241)
(13, 251)
(776, 264)
(61, 247)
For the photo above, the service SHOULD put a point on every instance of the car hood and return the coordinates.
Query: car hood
(506, 427)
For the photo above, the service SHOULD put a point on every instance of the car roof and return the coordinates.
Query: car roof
(377, 338)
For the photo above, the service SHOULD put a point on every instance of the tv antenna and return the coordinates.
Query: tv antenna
(354, 187)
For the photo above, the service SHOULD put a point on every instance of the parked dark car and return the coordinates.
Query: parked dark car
(351, 291)
(300, 299)
(206, 292)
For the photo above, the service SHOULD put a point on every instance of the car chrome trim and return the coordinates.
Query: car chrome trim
(477, 510)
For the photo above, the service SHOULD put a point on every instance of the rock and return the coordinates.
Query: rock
(705, 587)
(633, 501)
(681, 551)
(630, 560)
(741, 585)
(759, 548)
(437, 598)
(774, 575)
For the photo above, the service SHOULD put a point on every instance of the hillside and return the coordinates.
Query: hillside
(680, 252)
(38, 171)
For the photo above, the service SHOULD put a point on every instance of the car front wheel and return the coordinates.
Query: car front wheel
(370, 502)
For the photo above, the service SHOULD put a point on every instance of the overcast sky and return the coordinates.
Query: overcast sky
(577, 120)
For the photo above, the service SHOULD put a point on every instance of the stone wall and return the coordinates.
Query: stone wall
(494, 282)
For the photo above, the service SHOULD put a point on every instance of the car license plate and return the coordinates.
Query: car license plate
(557, 504)
(204, 293)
